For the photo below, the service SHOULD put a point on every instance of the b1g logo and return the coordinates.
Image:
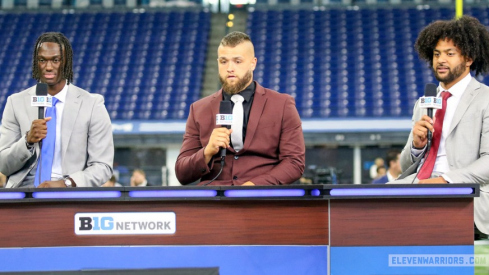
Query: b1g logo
(41, 99)
(97, 223)
(125, 223)
(224, 119)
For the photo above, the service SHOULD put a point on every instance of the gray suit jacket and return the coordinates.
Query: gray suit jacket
(467, 147)
(86, 141)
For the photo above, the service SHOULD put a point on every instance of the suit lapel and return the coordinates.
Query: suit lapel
(256, 111)
(215, 103)
(467, 97)
(70, 113)
(32, 112)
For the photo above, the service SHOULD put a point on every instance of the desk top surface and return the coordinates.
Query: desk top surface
(289, 192)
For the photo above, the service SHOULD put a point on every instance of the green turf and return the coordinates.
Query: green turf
(482, 267)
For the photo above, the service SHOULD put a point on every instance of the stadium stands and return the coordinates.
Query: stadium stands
(345, 62)
(336, 62)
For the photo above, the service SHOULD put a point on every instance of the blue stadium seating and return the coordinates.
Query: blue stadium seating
(147, 65)
(336, 62)
(346, 63)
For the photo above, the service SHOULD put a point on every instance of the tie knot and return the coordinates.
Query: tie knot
(445, 95)
(237, 98)
(55, 100)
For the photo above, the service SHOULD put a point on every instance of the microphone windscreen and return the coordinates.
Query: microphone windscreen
(430, 90)
(42, 89)
(225, 107)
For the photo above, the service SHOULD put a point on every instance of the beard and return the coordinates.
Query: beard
(240, 85)
(452, 75)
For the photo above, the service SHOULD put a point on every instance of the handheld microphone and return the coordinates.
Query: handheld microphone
(41, 100)
(430, 101)
(224, 118)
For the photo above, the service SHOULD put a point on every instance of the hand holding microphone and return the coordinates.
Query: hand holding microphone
(420, 131)
(39, 127)
(38, 131)
(423, 129)
(219, 139)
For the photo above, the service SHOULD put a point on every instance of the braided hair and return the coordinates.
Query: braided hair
(64, 45)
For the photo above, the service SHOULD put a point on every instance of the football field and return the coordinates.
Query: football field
(481, 250)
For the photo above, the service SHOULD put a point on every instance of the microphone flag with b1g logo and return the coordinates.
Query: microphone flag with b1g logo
(426, 102)
(41, 101)
(224, 119)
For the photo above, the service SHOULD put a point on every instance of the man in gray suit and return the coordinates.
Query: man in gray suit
(82, 142)
(460, 144)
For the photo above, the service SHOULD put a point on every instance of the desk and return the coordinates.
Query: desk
(298, 229)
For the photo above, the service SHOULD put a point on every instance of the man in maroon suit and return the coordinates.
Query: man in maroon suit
(267, 148)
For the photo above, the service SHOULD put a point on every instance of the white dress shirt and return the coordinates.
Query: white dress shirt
(390, 177)
(57, 172)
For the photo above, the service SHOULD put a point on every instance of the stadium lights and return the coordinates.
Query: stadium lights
(242, 2)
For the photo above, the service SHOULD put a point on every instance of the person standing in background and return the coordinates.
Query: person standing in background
(393, 161)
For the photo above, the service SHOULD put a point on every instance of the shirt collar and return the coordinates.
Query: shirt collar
(389, 176)
(459, 88)
(61, 96)
(246, 93)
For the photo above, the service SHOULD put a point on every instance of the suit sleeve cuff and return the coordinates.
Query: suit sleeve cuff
(447, 178)
(417, 152)
(205, 168)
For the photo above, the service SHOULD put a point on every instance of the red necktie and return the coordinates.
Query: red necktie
(427, 169)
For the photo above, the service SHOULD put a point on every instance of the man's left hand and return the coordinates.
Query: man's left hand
(52, 184)
(439, 180)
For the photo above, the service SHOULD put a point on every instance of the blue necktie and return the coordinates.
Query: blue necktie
(45, 166)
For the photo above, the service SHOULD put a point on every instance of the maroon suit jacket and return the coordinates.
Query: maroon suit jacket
(273, 152)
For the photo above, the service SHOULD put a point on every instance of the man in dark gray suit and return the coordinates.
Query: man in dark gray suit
(460, 144)
(82, 149)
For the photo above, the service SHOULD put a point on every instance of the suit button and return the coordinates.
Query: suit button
(203, 170)
(236, 157)
(235, 178)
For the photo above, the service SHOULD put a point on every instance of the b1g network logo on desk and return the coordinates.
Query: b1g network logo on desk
(132, 223)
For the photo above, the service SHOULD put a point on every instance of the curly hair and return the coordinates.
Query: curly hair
(64, 44)
(467, 34)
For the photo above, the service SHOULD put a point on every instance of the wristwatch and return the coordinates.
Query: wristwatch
(68, 182)
(29, 145)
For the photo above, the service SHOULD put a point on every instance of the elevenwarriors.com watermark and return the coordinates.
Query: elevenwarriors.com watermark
(438, 260)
